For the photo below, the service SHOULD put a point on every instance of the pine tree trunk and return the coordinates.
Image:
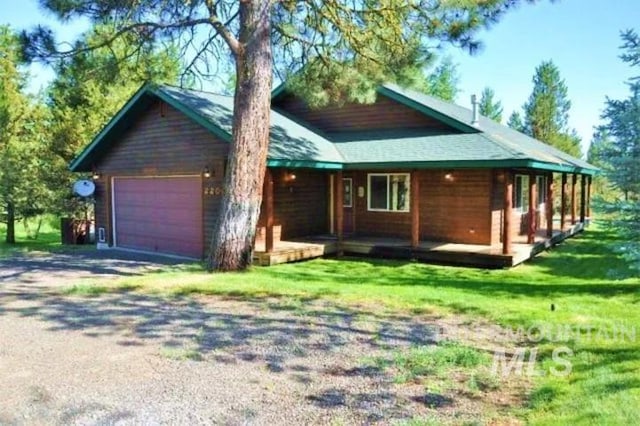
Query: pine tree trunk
(234, 235)
(11, 223)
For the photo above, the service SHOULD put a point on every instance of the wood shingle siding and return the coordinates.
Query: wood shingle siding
(456, 210)
(163, 142)
(301, 204)
(497, 207)
(384, 114)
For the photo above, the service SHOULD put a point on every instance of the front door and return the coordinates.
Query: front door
(347, 205)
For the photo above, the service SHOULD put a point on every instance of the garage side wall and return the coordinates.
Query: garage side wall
(163, 142)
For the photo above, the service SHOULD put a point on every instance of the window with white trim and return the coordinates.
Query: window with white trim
(521, 192)
(388, 192)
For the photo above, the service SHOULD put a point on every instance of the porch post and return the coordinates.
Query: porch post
(549, 205)
(583, 198)
(508, 212)
(415, 209)
(589, 197)
(331, 210)
(574, 181)
(533, 202)
(563, 201)
(339, 209)
(268, 210)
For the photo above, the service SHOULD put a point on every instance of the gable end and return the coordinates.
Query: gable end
(384, 114)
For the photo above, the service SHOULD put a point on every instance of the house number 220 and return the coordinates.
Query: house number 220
(213, 190)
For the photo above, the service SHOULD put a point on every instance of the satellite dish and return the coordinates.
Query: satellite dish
(84, 188)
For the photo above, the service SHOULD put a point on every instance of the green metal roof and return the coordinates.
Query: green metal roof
(434, 147)
(518, 144)
(292, 144)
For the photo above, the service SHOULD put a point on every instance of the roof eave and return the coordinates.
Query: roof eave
(308, 164)
(471, 164)
(275, 93)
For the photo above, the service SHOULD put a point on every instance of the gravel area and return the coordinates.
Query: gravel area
(127, 358)
(58, 268)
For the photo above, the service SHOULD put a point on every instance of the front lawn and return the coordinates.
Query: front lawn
(48, 237)
(581, 287)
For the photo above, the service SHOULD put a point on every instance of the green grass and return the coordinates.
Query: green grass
(48, 238)
(435, 361)
(589, 285)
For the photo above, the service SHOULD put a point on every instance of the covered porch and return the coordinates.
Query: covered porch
(517, 234)
(477, 255)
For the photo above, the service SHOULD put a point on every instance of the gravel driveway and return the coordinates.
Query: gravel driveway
(127, 358)
(60, 267)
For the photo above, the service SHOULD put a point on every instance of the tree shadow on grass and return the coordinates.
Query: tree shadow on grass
(280, 341)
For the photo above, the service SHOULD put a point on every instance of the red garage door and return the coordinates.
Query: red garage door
(161, 215)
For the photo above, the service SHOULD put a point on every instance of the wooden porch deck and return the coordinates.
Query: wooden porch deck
(428, 251)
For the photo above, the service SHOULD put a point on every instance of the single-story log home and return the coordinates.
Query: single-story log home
(407, 176)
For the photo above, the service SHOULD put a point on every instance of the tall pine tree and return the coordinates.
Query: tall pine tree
(22, 149)
(489, 107)
(516, 122)
(546, 113)
(443, 81)
(440, 80)
(621, 153)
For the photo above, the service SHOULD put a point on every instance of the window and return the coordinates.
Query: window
(521, 192)
(541, 183)
(347, 192)
(389, 192)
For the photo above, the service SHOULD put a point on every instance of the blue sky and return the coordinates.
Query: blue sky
(581, 36)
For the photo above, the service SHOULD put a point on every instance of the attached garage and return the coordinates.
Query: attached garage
(159, 214)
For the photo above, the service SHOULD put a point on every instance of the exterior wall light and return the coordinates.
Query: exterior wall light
(448, 177)
(206, 173)
(288, 177)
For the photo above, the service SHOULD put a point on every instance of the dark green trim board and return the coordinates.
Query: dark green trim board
(304, 164)
(473, 164)
(278, 90)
